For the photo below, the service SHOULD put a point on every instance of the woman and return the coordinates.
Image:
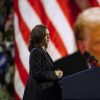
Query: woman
(42, 83)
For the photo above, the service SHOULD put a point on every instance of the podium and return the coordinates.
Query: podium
(82, 85)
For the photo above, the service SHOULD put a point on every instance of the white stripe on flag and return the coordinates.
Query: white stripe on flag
(22, 48)
(54, 53)
(19, 87)
(28, 14)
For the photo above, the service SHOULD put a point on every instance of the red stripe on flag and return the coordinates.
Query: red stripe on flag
(23, 27)
(22, 72)
(75, 9)
(94, 3)
(55, 38)
(16, 96)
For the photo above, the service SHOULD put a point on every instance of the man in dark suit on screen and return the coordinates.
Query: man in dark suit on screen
(87, 34)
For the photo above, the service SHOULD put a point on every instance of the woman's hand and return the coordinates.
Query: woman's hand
(59, 73)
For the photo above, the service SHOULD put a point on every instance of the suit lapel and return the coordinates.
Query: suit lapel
(49, 59)
(46, 55)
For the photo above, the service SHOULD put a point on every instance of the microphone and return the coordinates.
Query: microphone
(90, 58)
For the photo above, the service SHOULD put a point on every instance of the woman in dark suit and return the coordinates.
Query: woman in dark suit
(43, 82)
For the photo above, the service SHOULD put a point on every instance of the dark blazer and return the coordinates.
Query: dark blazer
(42, 83)
(71, 64)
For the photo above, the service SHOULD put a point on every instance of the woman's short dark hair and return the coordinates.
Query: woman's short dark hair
(37, 37)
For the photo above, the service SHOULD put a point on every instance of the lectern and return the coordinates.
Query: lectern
(82, 85)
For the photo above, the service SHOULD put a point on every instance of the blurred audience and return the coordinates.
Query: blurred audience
(6, 50)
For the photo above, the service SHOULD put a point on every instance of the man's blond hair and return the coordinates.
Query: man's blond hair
(88, 19)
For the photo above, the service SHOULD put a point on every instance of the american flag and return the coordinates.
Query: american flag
(59, 16)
